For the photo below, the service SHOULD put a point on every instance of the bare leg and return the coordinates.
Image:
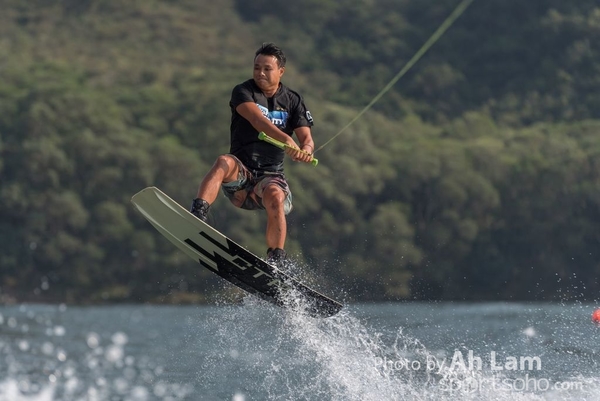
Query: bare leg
(273, 198)
(225, 169)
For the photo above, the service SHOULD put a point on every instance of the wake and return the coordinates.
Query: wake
(342, 358)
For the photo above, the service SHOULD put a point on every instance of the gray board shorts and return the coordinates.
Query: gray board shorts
(248, 182)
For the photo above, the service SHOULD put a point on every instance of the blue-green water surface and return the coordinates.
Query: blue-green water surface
(254, 351)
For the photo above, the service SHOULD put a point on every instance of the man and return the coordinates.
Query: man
(251, 175)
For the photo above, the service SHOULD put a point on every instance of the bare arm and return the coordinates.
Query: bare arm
(306, 144)
(252, 113)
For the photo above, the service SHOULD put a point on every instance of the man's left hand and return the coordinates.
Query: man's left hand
(299, 155)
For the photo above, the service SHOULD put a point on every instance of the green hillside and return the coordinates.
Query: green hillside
(476, 177)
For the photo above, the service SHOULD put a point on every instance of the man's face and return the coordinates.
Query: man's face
(267, 72)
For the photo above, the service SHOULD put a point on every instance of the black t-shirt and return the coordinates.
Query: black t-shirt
(285, 109)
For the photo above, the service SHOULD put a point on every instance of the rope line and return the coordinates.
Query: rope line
(458, 11)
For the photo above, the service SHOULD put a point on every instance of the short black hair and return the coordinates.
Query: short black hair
(269, 49)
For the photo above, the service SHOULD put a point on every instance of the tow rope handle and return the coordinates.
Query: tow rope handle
(264, 137)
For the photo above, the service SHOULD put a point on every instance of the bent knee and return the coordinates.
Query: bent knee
(229, 166)
(273, 197)
(226, 161)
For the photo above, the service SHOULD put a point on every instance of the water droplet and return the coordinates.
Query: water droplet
(119, 338)
(114, 353)
(139, 393)
(48, 348)
(160, 389)
(238, 397)
(93, 340)
(59, 331)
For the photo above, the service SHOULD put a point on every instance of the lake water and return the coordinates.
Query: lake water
(254, 351)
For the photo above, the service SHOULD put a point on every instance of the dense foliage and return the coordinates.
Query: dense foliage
(476, 177)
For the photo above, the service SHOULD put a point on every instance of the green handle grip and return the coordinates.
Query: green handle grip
(264, 137)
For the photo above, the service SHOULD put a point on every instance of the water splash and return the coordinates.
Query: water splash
(255, 351)
(343, 358)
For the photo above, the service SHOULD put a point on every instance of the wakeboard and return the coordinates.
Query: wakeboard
(227, 259)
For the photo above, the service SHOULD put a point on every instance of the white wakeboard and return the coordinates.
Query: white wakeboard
(224, 257)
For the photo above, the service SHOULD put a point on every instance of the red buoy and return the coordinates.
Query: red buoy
(596, 316)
